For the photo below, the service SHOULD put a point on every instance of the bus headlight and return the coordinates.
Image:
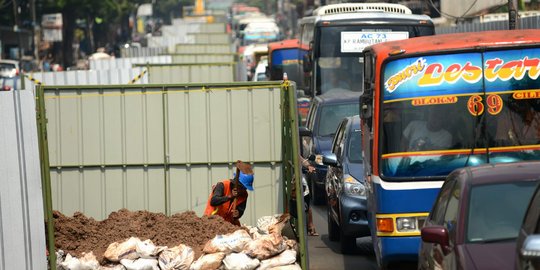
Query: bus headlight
(352, 187)
(406, 224)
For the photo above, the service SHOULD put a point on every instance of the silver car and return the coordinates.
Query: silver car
(9, 68)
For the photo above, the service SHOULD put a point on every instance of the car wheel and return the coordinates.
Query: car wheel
(333, 228)
(347, 244)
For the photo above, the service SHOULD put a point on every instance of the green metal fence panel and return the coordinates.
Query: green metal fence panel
(292, 186)
(160, 147)
(204, 48)
(204, 58)
(211, 38)
(212, 28)
(191, 73)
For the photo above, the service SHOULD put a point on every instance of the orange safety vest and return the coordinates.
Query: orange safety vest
(225, 210)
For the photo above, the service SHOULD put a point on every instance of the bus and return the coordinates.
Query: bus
(335, 36)
(285, 57)
(435, 104)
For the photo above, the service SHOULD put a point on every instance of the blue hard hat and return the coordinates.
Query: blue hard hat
(246, 180)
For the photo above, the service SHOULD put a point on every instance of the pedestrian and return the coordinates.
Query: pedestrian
(229, 197)
(311, 172)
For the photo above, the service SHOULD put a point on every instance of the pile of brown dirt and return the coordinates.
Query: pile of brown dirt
(79, 233)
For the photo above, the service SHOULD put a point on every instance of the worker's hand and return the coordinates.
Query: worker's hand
(234, 192)
(235, 214)
(311, 168)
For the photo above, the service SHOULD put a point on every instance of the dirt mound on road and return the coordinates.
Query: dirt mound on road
(79, 233)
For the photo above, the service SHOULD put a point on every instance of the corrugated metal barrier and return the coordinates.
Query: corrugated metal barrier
(204, 58)
(170, 41)
(161, 148)
(143, 51)
(122, 63)
(198, 27)
(204, 48)
(211, 38)
(191, 73)
(22, 234)
(524, 23)
(86, 77)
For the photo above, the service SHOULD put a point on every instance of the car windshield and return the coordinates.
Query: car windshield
(340, 73)
(7, 69)
(355, 147)
(331, 115)
(431, 126)
(496, 211)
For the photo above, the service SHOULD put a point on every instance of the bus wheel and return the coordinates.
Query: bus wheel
(333, 228)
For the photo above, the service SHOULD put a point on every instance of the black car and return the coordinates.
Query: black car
(528, 242)
(345, 187)
(325, 113)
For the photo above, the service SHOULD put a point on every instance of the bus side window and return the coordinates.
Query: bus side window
(366, 101)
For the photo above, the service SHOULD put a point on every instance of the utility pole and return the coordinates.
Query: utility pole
(35, 30)
(513, 20)
(16, 27)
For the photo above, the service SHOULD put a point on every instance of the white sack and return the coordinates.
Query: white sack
(264, 222)
(140, 264)
(87, 262)
(266, 246)
(176, 258)
(147, 249)
(208, 262)
(240, 261)
(285, 258)
(233, 242)
(125, 250)
(112, 267)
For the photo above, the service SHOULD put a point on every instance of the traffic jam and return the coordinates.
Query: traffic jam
(240, 135)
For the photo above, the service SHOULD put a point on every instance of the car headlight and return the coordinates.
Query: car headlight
(353, 187)
(406, 224)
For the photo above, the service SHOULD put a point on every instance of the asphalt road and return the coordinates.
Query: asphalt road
(324, 254)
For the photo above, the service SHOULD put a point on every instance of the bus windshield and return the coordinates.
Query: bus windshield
(339, 58)
(440, 113)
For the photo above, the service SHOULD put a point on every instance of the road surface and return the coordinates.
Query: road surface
(324, 254)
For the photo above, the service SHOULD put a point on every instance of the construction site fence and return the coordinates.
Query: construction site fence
(22, 234)
(124, 63)
(85, 77)
(532, 22)
(191, 73)
(204, 48)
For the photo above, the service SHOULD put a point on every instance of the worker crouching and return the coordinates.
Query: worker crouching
(229, 197)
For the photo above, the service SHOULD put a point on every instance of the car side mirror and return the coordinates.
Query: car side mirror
(437, 235)
(531, 248)
(304, 131)
(330, 160)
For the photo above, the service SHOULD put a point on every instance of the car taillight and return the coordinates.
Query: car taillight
(16, 72)
(6, 88)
